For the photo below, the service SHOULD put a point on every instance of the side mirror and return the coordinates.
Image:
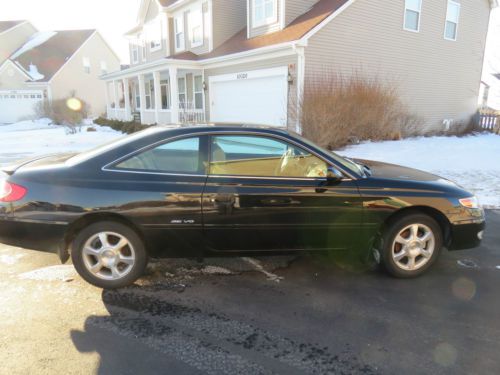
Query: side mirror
(333, 174)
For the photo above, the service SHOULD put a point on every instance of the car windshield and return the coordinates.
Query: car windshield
(86, 155)
(345, 162)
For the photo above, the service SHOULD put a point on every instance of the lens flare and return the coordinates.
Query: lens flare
(74, 104)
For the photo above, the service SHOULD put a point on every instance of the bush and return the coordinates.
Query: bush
(123, 126)
(336, 111)
(69, 112)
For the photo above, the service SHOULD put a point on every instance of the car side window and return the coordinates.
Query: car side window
(260, 156)
(180, 156)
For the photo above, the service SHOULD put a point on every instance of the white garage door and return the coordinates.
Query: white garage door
(17, 105)
(254, 97)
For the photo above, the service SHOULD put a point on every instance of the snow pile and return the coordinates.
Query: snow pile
(36, 40)
(472, 161)
(34, 73)
(32, 138)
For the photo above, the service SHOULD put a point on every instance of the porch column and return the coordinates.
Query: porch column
(107, 99)
(142, 95)
(116, 96)
(156, 79)
(126, 94)
(174, 95)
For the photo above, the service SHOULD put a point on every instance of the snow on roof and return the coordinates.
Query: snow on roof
(35, 40)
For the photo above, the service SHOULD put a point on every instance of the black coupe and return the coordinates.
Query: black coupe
(191, 192)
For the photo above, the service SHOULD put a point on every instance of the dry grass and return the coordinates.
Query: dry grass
(338, 110)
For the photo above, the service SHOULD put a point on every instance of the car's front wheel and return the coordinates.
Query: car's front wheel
(109, 255)
(410, 245)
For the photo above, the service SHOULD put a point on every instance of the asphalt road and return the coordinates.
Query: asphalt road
(246, 316)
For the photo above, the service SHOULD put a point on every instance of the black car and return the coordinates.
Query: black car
(191, 192)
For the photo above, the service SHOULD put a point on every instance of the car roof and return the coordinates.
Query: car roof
(220, 126)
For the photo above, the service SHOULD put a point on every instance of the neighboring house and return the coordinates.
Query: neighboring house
(13, 34)
(53, 65)
(249, 60)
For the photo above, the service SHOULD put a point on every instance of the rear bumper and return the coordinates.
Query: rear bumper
(467, 235)
(34, 235)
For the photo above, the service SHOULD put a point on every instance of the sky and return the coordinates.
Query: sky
(111, 17)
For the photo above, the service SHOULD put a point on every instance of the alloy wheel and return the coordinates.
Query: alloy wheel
(108, 256)
(413, 247)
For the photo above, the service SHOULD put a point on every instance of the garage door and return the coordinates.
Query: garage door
(256, 97)
(18, 105)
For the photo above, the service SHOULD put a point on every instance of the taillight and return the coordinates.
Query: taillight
(10, 192)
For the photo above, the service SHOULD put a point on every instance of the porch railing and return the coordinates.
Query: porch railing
(488, 120)
(188, 114)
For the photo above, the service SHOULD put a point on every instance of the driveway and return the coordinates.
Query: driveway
(290, 315)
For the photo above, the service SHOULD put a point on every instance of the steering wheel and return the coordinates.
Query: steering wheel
(285, 158)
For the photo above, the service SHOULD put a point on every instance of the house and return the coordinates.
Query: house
(250, 60)
(51, 65)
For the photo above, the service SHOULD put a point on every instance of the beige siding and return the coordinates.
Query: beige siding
(266, 29)
(13, 39)
(230, 17)
(438, 79)
(11, 78)
(289, 61)
(72, 78)
(295, 8)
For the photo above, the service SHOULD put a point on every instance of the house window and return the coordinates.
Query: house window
(452, 16)
(198, 92)
(104, 67)
(179, 33)
(413, 9)
(154, 34)
(165, 94)
(182, 92)
(135, 51)
(196, 27)
(149, 95)
(264, 12)
(86, 65)
(137, 96)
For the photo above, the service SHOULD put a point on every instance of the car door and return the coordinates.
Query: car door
(160, 189)
(265, 193)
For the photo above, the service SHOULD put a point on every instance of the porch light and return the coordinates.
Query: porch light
(290, 79)
(204, 86)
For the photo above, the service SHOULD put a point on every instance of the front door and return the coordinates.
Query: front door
(264, 193)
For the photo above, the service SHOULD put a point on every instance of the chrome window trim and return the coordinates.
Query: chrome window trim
(109, 167)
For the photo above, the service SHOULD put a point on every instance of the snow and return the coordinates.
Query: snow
(32, 138)
(472, 161)
(36, 40)
(34, 73)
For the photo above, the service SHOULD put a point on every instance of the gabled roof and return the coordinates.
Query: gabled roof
(302, 25)
(6, 25)
(48, 57)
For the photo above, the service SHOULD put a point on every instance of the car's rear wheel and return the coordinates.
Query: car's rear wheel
(109, 255)
(411, 245)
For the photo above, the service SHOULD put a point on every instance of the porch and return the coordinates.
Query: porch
(171, 95)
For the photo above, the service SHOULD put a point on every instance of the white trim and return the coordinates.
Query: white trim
(327, 20)
(16, 26)
(419, 17)
(451, 2)
(282, 14)
(19, 68)
(199, 92)
(301, 70)
(248, 19)
(266, 21)
(251, 74)
(210, 30)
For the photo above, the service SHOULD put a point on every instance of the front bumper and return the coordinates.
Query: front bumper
(466, 235)
(33, 235)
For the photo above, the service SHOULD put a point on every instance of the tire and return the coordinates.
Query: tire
(109, 255)
(399, 245)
